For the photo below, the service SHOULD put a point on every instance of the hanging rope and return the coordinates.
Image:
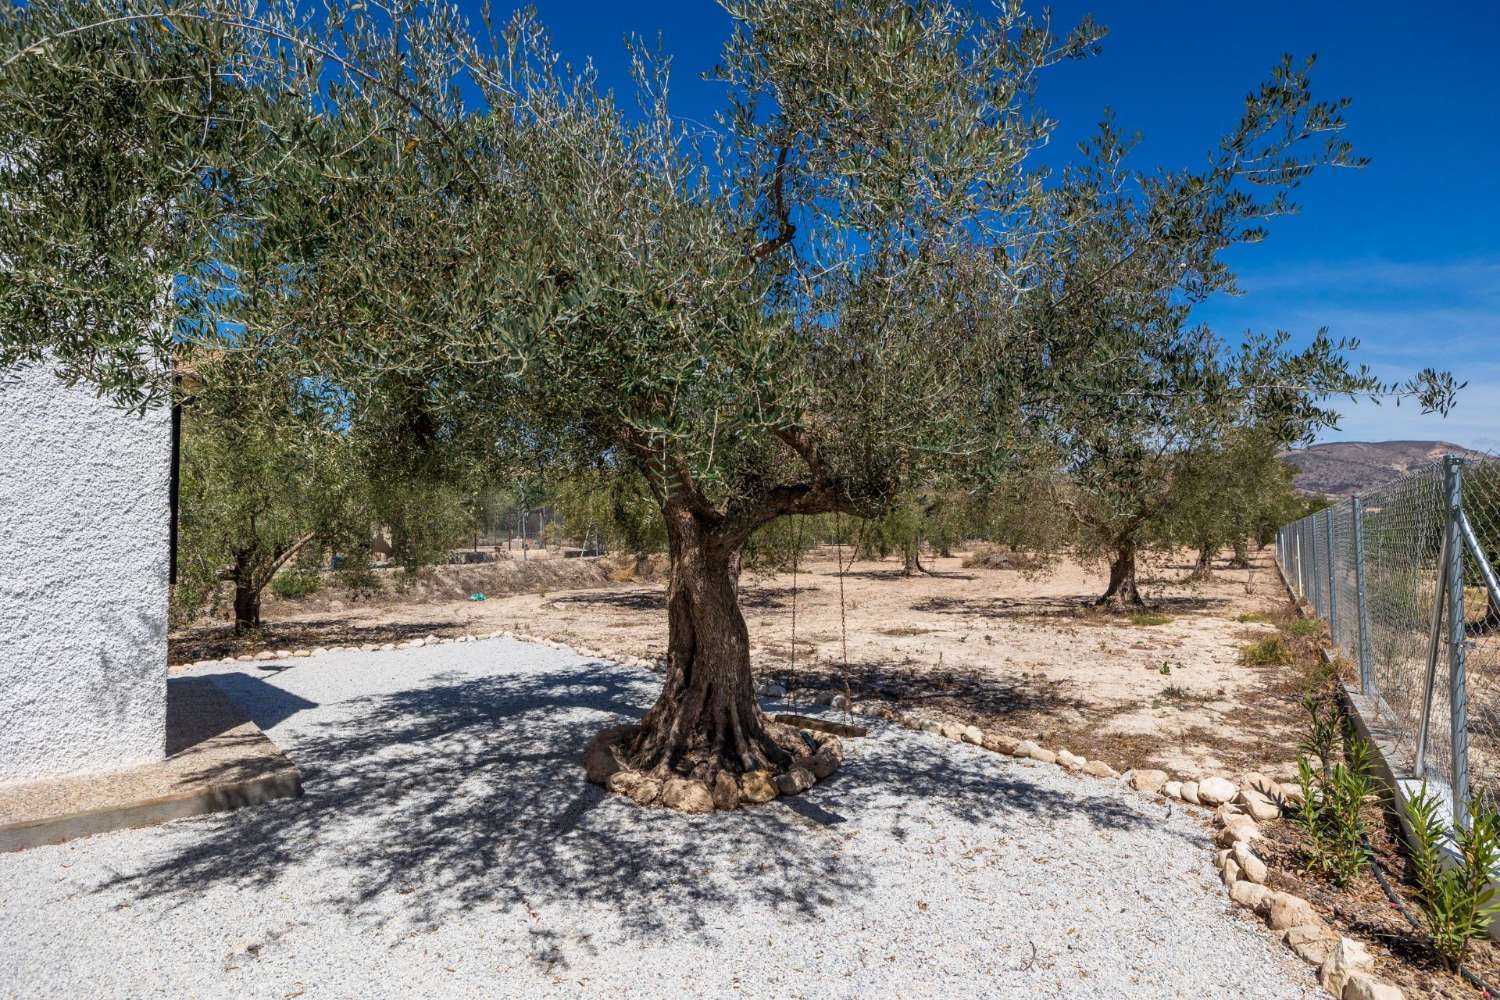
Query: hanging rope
(838, 541)
(796, 553)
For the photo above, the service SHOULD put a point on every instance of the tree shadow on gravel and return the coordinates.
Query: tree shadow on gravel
(467, 794)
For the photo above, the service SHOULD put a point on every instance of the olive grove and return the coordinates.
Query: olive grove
(852, 286)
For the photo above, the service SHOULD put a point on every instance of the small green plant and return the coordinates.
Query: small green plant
(1165, 669)
(1457, 900)
(1253, 617)
(1322, 733)
(1334, 791)
(1143, 619)
(1266, 652)
(1302, 628)
(294, 583)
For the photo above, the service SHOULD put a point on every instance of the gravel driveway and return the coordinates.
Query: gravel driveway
(449, 846)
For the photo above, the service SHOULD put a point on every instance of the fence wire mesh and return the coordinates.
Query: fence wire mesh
(1481, 499)
(1373, 570)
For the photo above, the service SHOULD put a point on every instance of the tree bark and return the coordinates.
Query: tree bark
(911, 559)
(1122, 588)
(246, 599)
(1241, 558)
(1203, 569)
(706, 719)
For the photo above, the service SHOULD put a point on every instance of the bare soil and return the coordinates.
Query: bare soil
(995, 647)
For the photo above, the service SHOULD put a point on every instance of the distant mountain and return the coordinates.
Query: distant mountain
(1344, 468)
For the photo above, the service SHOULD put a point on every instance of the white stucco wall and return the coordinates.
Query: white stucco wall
(83, 580)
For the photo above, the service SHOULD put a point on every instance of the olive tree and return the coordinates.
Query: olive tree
(851, 284)
(1142, 389)
(266, 474)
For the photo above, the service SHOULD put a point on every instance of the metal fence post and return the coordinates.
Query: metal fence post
(1320, 573)
(1361, 601)
(1333, 587)
(1458, 700)
(1303, 577)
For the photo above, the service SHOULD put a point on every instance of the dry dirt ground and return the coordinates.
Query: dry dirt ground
(993, 647)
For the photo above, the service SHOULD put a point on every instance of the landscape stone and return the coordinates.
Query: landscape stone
(1346, 958)
(1248, 894)
(1287, 910)
(1240, 829)
(1148, 780)
(725, 791)
(1172, 789)
(1190, 792)
(974, 735)
(645, 791)
(1043, 755)
(1213, 791)
(757, 787)
(1230, 873)
(1363, 986)
(1099, 769)
(1310, 942)
(687, 795)
(1251, 867)
(1071, 761)
(1000, 743)
(828, 758)
(1258, 804)
(599, 761)
(1225, 813)
(795, 781)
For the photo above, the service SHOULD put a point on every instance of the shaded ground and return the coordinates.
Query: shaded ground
(448, 845)
(993, 647)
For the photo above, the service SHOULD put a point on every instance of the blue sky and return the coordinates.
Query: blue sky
(1404, 255)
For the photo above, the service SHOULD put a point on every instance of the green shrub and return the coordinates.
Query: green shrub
(293, 584)
(1146, 618)
(1457, 902)
(1253, 617)
(1266, 652)
(1302, 628)
(1333, 794)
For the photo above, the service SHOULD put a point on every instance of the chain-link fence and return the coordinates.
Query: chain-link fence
(1406, 578)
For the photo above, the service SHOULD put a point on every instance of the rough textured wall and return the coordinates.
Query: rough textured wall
(83, 580)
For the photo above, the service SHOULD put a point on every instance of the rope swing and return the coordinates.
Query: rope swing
(838, 541)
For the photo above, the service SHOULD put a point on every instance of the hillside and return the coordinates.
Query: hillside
(1343, 468)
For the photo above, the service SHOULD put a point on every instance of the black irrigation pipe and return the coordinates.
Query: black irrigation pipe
(1391, 894)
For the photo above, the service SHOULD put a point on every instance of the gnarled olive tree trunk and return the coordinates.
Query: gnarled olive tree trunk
(706, 719)
(251, 570)
(1122, 588)
(1203, 569)
(1241, 558)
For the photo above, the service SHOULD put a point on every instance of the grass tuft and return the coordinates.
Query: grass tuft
(1266, 652)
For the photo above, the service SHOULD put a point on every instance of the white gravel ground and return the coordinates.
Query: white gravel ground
(448, 845)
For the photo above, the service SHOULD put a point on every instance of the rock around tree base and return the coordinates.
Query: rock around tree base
(603, 765)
